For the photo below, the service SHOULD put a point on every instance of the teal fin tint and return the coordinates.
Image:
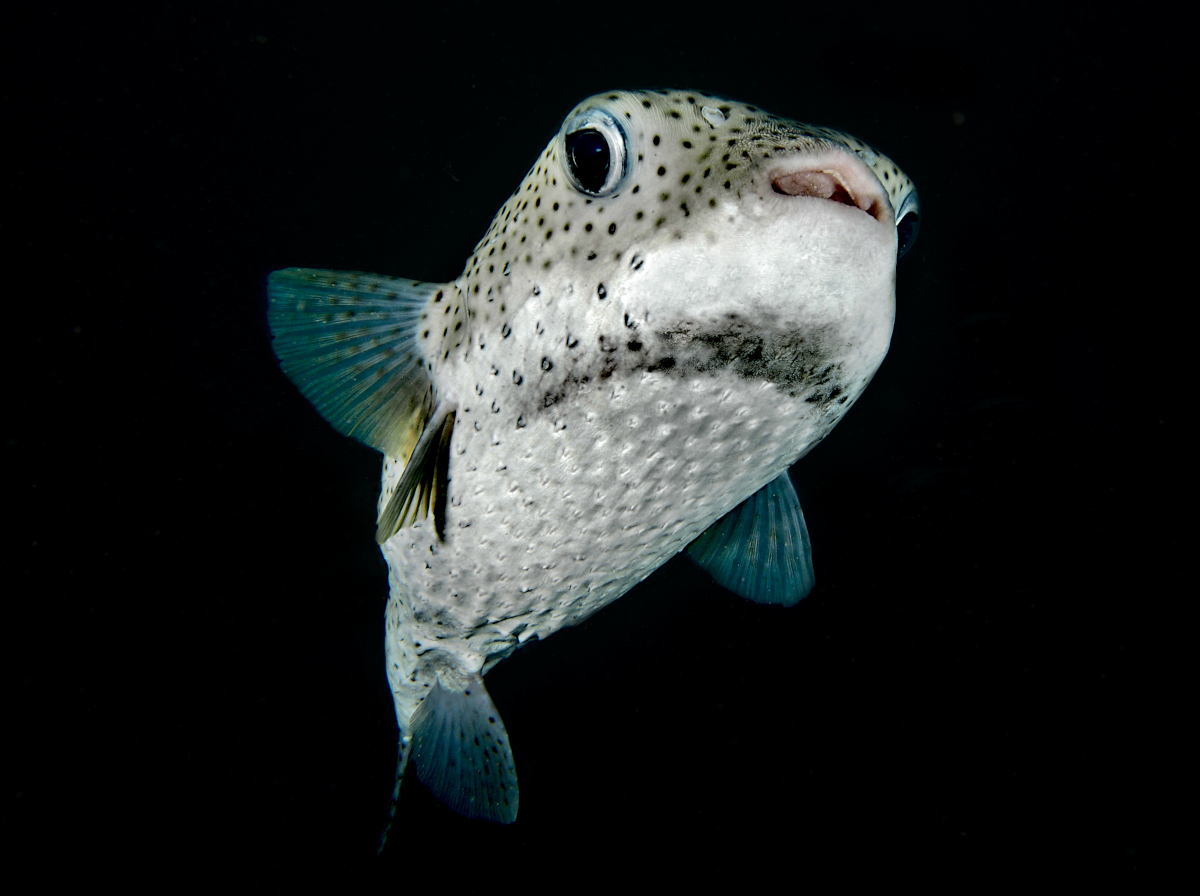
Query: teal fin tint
(422, 485)
(462, 753)
(351, 343)
(402, 755)
(760, 549)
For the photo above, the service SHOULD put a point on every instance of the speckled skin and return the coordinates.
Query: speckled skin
(633, 367)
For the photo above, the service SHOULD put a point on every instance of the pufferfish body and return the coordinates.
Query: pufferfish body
(683, 297)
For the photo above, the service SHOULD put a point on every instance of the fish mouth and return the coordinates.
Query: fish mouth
(838, 180)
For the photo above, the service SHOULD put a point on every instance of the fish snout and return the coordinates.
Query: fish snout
(838, 177)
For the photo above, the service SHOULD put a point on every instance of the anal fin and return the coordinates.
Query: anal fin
(461, 752)
(760, 549)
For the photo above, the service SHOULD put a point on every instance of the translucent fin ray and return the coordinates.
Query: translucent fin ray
(760, 549)
(461, 752)
(422, 486)
(349, 341)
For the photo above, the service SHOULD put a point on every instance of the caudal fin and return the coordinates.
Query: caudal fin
(461, 752)
(402, 756)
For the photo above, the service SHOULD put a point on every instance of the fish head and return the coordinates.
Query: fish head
(715, 228)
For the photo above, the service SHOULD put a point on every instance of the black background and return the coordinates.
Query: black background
(195, 613)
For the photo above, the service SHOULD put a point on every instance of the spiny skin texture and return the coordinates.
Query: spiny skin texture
(629, 368)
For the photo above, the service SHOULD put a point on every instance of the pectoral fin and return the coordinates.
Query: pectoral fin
(760, 549)
(355, 345)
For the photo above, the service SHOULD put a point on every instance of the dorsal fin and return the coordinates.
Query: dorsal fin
(422, 486)
(359, 346)
(760, 549)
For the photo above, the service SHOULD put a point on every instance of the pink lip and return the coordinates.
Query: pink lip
(838, 181)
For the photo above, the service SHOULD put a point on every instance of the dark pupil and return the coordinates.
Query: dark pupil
(588, 153)
(907, 233)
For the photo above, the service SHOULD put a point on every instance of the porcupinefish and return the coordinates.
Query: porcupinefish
(683, 296)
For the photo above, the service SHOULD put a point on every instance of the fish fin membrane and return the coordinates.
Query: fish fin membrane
(402, 755)
(421, 488)
(461, 752)
(760, 549)
(349, 341)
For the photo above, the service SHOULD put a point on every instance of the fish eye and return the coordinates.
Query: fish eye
(596, 152)
(908, 225)
(906, 233)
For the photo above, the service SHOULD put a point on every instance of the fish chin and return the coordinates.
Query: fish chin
(791, 265)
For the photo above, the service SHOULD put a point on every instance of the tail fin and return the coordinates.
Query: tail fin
(461, 750)
(402, 755)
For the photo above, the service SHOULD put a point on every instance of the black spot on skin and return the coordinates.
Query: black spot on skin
(612, 228)
(634, 346)
(662, 170)
(656, 139)
(547, 364)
